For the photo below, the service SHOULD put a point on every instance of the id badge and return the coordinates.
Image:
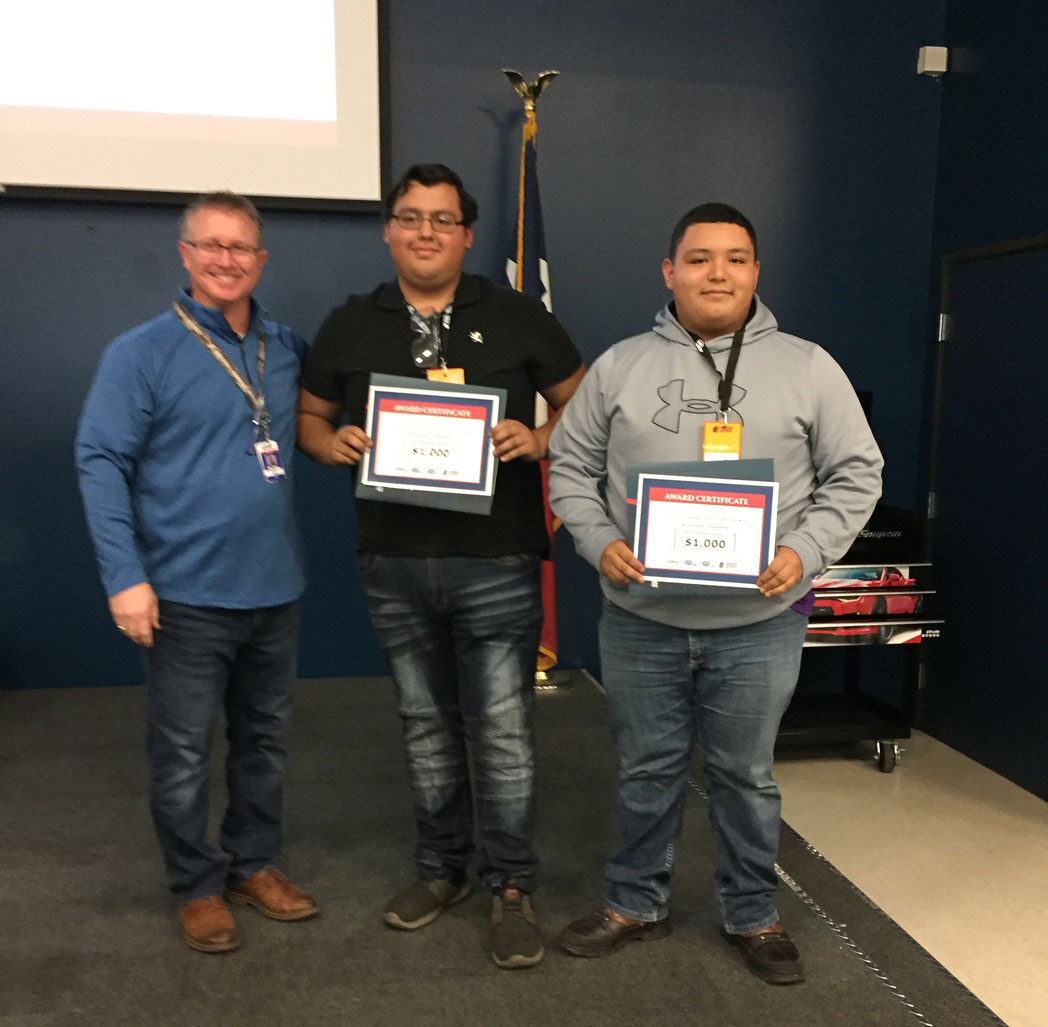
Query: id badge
(721, 440)
(268, 453)
(454, 375)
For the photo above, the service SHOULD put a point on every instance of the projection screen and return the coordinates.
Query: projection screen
(265, 97)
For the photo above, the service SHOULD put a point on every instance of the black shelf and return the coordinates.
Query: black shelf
(833, 719)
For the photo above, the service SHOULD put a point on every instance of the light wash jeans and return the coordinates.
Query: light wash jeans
(724, 690)
(204, 661)
(461, 636)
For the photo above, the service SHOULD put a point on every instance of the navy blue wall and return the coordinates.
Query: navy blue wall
(809, 116)
(993, 145)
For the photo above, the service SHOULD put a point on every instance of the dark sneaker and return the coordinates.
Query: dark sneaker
(772, 956)
(422, 902)
(515, 939)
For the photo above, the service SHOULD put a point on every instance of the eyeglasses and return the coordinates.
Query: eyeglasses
(443, 221)
(238, 251)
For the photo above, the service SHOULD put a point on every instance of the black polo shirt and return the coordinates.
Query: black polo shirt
(503, 339)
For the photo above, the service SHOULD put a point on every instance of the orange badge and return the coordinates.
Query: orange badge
(721, 440)
(454, 375)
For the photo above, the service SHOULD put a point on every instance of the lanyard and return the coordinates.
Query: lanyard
(728, 378)
(427, 328)
(256, 399)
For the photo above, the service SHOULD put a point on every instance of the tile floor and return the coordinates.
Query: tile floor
(951, 851)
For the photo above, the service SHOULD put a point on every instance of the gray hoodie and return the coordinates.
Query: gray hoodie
(645, 400)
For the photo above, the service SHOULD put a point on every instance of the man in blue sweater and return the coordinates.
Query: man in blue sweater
(182, 453)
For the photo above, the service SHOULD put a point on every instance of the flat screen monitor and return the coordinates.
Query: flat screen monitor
(264, 97)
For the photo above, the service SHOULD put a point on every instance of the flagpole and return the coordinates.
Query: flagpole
(537, 282)
(529, 92)
(529, 131)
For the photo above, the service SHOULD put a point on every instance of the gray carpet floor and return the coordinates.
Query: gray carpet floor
(92, 939)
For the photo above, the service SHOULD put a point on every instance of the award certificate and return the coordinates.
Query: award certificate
(431, 443)
(704, 531)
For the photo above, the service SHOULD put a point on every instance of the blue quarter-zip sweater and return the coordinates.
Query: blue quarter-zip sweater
(173, 493)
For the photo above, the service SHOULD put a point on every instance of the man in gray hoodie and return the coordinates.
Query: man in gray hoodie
(716, 670)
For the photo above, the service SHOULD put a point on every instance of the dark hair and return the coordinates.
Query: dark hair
(711, 214)
(224, 200)
(431, 174)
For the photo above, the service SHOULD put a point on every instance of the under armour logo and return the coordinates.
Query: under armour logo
(674, 404)
(476, 337)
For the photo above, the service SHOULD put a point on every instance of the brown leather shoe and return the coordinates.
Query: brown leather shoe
(771, 955)
(600, 934)
(273, 895)
(208, 926)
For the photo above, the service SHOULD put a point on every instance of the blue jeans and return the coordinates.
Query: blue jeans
(461, 636)
(724, 690)
(205, 660)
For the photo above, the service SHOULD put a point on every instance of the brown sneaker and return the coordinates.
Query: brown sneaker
(273, 895)
(208, 926)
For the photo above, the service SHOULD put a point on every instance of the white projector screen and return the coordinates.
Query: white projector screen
(264, 97)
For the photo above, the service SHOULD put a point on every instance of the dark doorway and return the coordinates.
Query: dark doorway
(988, 694)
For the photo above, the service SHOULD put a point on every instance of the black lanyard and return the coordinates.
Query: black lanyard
(426, 328)
(728, 378)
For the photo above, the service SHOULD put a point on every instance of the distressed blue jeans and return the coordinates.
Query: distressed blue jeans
(461, 636)
(206, 661)
(671, 689)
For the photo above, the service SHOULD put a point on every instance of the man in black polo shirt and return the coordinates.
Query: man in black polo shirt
(454, 597)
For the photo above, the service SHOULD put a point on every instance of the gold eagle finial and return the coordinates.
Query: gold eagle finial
(529, 92)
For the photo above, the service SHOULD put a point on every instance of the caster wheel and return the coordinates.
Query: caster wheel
(887, 756)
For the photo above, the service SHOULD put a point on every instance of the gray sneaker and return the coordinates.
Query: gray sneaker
(423, 901)
(515, 938)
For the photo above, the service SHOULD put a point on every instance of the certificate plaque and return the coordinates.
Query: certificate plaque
(696, 528)
(431, 444)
